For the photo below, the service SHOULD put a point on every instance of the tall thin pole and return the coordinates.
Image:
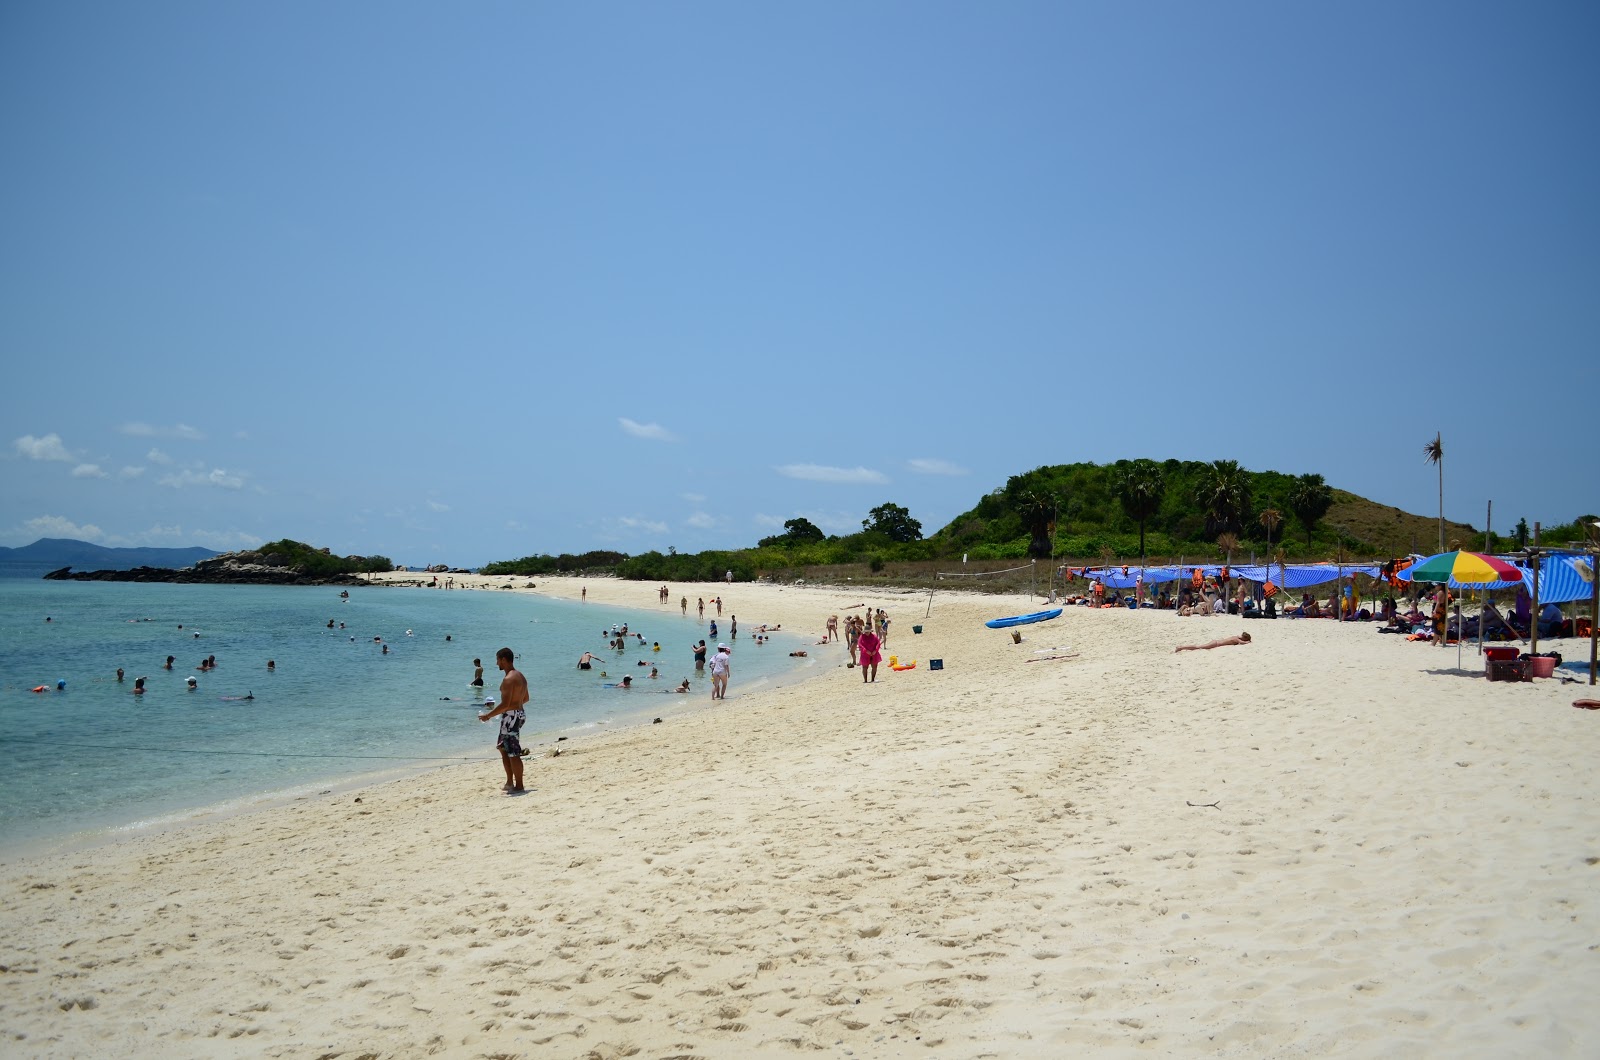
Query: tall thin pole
(1533, 619)
(1488, 530)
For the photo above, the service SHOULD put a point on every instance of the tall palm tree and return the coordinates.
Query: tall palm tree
(1227, 543)
(1434, 452)
(1224, 493)
(1271, 518)
(1310, 500)
(1141, 487)
(1038, 509)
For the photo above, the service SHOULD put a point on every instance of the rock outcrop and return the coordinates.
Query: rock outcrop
(230, 568)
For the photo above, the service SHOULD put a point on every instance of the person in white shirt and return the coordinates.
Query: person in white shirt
(721, 668)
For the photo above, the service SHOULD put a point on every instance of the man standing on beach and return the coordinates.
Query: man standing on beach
(513, 698)
(721, 668)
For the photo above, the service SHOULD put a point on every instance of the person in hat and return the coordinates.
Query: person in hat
(721, 670)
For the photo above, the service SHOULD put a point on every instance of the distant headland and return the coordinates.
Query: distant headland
(277, 563)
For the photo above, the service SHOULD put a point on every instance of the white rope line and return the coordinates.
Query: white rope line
(979, 574)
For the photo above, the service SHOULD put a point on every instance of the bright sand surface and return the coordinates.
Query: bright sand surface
(1328, 842)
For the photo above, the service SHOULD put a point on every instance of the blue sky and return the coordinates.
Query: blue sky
(464, 283)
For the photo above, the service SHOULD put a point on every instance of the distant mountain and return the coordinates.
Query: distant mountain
(51, 553)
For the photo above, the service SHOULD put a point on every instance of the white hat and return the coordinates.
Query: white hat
(489, 702)
(723, 647)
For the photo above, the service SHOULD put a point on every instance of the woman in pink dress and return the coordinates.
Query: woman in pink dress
(868, 655)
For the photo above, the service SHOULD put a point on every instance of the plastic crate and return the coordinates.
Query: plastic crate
(1507, 670)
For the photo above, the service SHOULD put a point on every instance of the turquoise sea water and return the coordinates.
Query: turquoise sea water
(96, 759)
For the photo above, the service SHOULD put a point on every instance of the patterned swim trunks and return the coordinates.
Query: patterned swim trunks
(511, 724)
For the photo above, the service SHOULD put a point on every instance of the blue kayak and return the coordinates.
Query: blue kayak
(1023, 620)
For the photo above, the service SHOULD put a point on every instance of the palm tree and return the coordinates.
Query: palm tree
(1434, 452)
(1310, 500)
(1224, 493)
(1271, 518)
(1141, 487)
(1227, 543)
(1038, 509)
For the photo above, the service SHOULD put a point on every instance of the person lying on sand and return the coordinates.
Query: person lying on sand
(1243, 638)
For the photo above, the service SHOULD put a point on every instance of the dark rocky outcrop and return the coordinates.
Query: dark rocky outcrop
(230, 568)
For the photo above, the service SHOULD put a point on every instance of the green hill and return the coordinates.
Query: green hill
(1080, 514)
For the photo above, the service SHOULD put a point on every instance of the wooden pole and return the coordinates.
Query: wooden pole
(1533, 618)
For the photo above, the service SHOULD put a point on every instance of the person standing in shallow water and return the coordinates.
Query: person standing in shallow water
(477, 673)
(513, 698)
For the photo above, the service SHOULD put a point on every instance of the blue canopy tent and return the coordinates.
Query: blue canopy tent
(1562, 579)
(1302, 575)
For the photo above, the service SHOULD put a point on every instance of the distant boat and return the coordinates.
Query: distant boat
(1023, 620)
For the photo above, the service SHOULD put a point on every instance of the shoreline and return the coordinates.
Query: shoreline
(1314, 843)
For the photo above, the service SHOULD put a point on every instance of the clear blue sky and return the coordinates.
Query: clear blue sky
(456, 283)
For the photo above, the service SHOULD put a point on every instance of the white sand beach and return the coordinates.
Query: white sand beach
(1327, 842)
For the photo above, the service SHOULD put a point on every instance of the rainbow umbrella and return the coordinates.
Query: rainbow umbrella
(1465, 570)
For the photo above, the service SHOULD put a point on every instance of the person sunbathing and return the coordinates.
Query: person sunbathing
(1243, 638)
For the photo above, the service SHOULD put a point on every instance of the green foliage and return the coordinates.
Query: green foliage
(799, 531)
(1141, 487)
(1310, 500)
(320, 562)
(530, 566)
(893, 522)
(1076, 512)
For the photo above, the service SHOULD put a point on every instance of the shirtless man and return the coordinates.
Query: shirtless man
(587, 660)
(513, 698)
(1243, 638)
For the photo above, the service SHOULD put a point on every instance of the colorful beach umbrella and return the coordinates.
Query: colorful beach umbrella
(1465, 570)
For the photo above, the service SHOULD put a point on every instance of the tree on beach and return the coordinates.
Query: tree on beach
(894, 522)
(1038, 510)
(1228, 543)
(1141, 488)
(1224, 493)
(1433, 452)
(1310, 500)
(1271, 518)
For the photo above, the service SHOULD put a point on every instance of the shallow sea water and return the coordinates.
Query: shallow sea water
(95, 759)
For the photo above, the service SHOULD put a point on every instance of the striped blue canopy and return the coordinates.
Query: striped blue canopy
(1561, 579)
(1302, 575)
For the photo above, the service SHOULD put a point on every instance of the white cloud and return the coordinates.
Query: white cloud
(652, 431)
(130, 472)
(820, 473)
(59, 526)
(694, 498)
(700, 521)
(227, 540)
(931, 466)
(215, 477)
(156, 456)
(178, 430)
(88, 471)
(47, 448)
(643, 524)
(437, 507)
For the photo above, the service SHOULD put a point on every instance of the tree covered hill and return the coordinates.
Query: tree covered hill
(1085, 514)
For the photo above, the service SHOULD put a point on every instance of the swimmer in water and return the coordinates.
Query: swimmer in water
(586, 661)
